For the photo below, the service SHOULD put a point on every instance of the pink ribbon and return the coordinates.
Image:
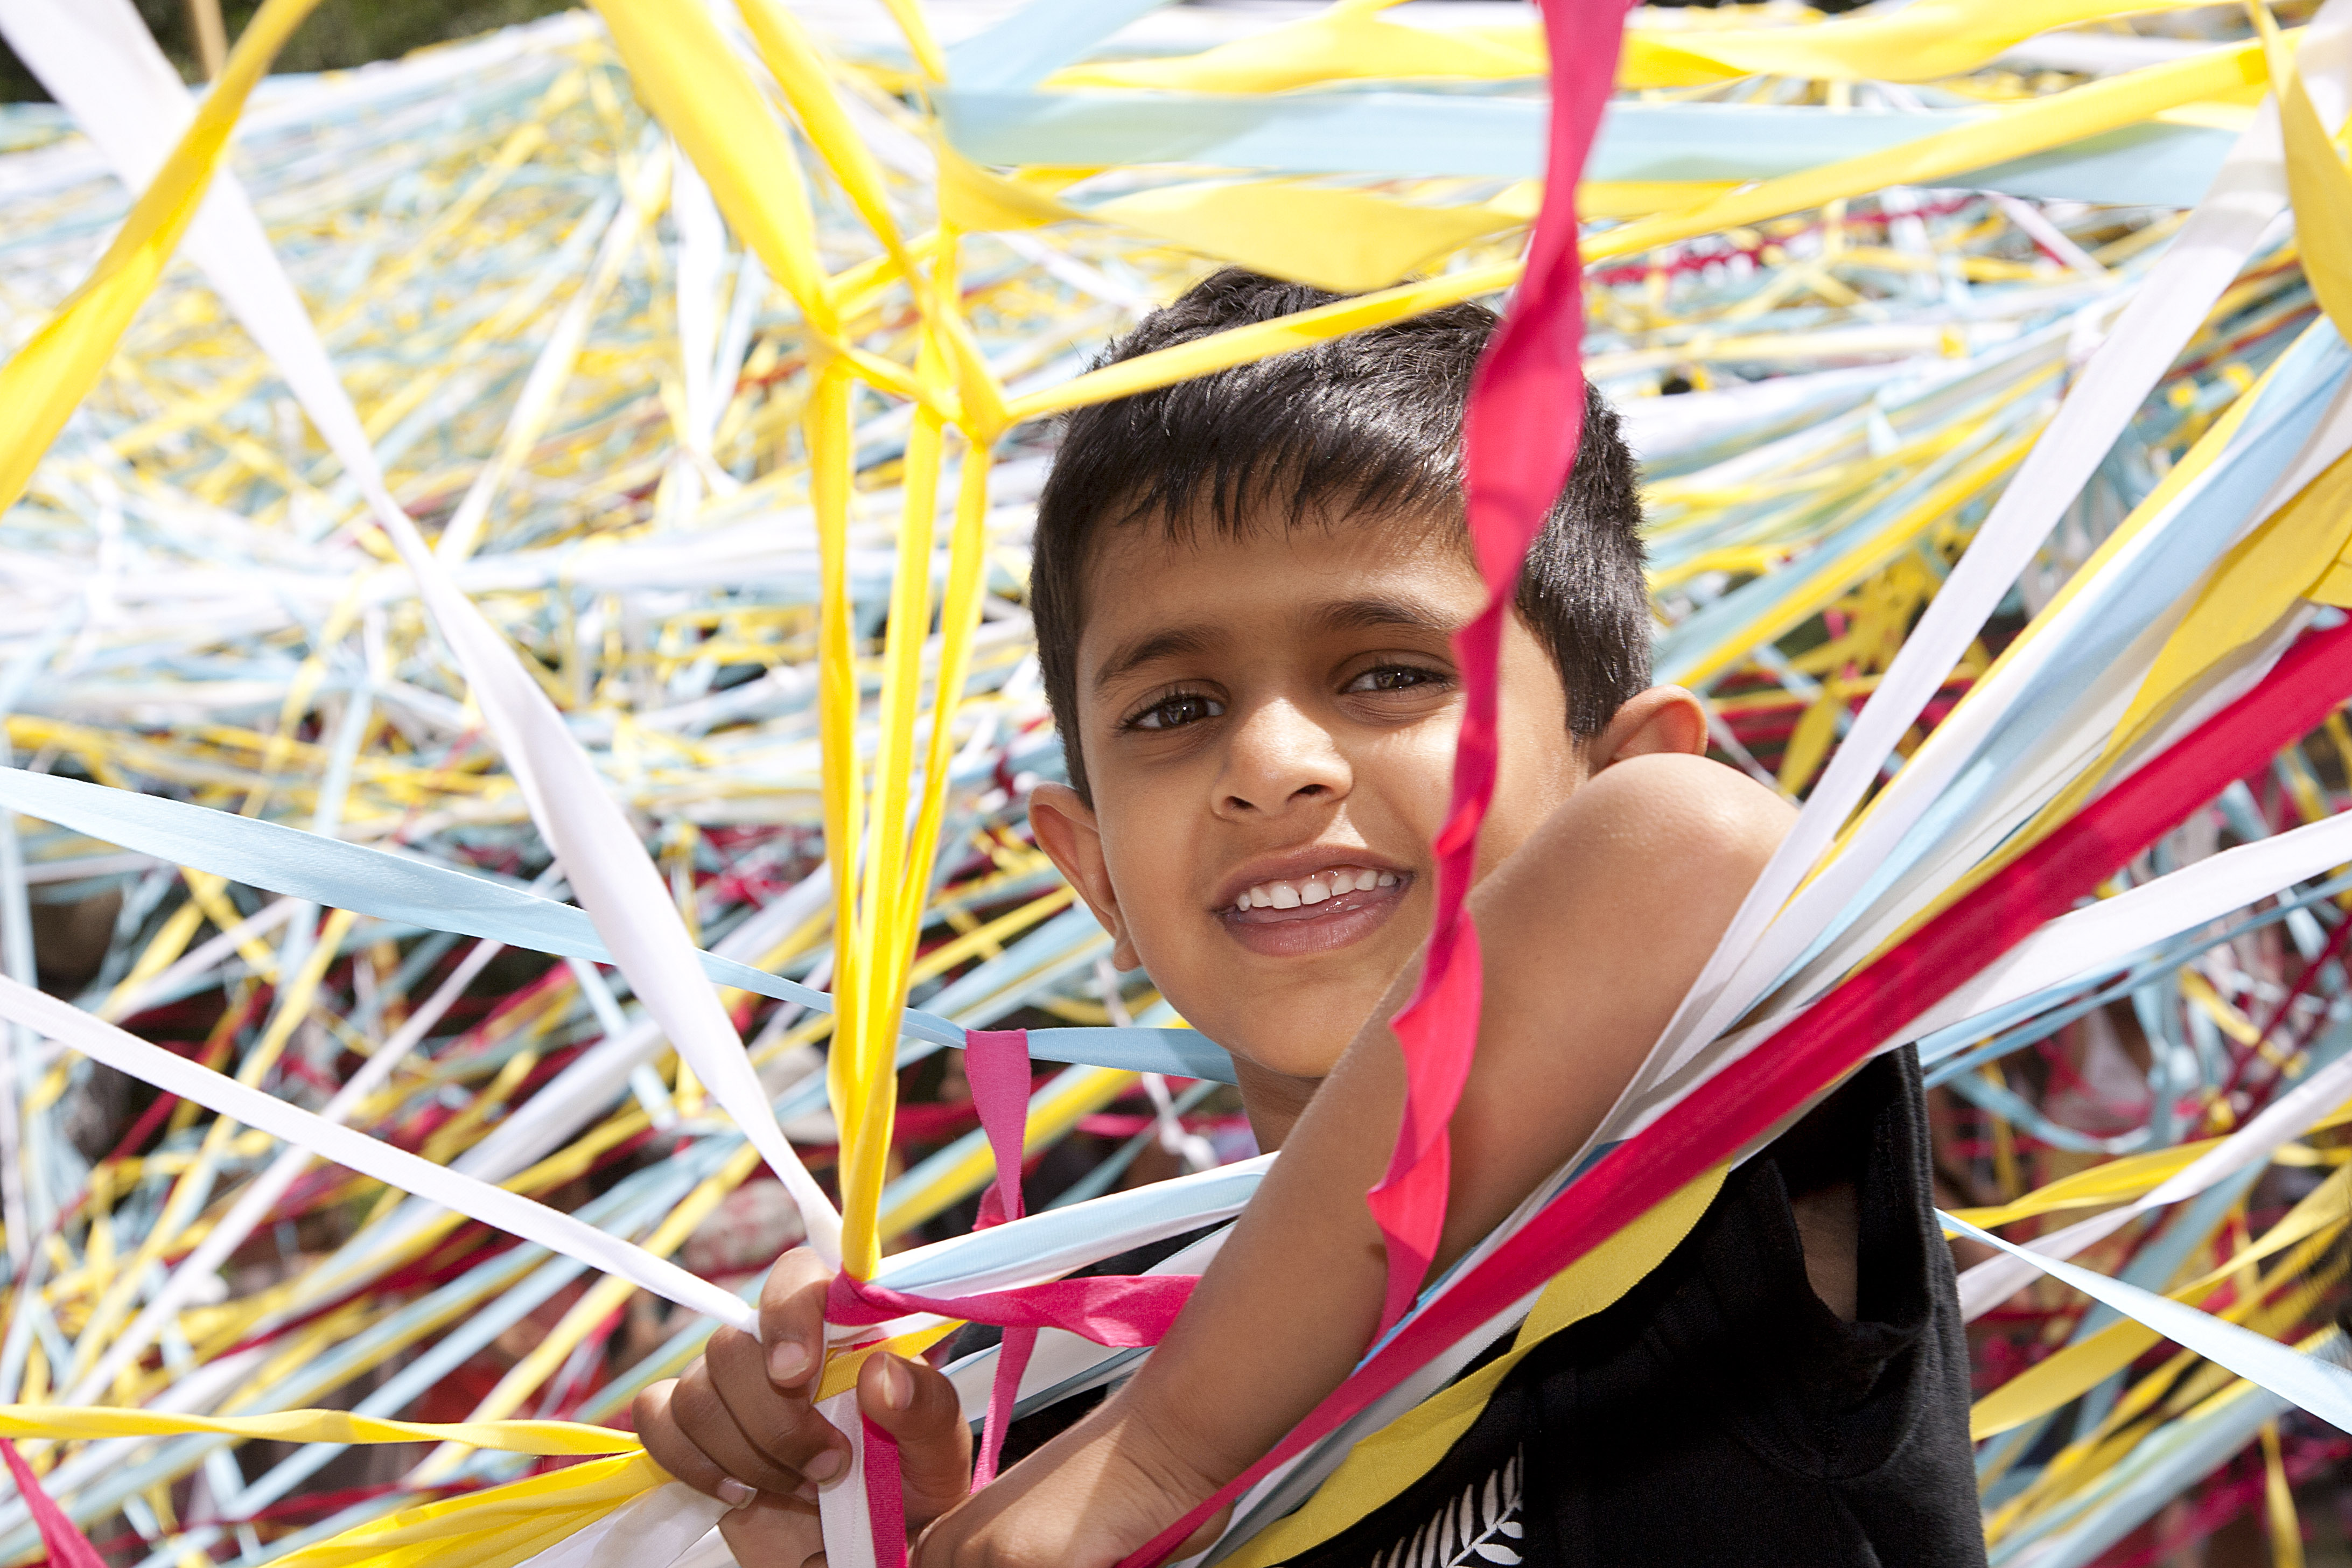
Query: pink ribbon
(1120, 1310)
(67, 1547)
(996, 1065)
(885, 1496)
(1111, 1310)
(1520, 430)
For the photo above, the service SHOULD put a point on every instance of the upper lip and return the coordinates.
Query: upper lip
(1296, 864)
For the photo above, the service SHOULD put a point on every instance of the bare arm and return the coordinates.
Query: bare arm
(1591, 933)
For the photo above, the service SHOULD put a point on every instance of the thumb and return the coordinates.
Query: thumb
(917, 1406)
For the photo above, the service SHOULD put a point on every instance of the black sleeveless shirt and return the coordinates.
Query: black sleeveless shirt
(1718, 1412)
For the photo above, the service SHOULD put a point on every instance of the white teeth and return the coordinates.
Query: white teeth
(1315, 889)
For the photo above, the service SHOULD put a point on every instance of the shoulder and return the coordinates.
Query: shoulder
(1672, 818)
(1641, 867)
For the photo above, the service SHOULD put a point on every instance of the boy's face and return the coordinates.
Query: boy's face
(1268, 725)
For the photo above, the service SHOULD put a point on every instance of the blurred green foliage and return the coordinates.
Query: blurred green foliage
(339, 32)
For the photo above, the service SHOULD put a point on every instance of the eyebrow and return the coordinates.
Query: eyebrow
(1379, 612)
(1153, 646)
(1372, 612)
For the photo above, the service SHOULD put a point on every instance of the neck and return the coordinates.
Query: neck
(1272, 1101)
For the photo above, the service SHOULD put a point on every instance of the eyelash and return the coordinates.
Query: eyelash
(1420, 677)
(1158, 706)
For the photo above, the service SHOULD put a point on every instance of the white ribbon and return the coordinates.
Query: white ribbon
(508, 1212)
(84, 51)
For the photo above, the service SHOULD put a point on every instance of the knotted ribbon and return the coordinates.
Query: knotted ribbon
(1120, 1310)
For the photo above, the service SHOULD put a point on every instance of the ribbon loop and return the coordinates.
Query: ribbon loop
(1125, 1311)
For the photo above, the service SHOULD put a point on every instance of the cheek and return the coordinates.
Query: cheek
(1170, 939)
(1411, 773)
(1150, 860)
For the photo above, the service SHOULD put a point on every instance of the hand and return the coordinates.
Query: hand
(739, 1425)
(1088, 1499)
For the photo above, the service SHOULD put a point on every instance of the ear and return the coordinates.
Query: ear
(1071, 838)
(1665, 718)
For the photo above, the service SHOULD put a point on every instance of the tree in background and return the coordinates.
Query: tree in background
(339, 32)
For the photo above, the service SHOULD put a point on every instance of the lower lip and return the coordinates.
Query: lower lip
(1337, 921)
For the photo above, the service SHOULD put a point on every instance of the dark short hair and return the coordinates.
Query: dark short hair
(1369, 423)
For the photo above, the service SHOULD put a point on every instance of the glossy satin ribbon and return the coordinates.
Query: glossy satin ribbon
(1520, 430)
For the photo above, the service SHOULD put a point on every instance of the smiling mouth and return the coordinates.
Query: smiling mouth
(1329, 909)
(1283, 899)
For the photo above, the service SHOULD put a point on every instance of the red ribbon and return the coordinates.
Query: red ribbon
(1747, 1098)
(67, 1547)
(1520, 430)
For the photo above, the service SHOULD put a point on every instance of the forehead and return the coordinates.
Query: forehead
(1145, 573)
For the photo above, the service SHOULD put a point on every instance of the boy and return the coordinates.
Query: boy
(1244, 587)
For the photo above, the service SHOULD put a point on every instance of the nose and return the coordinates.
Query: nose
(1279, 757)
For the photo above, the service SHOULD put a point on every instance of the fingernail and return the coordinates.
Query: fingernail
(788, 1361)
(827, 1466)
(735, 1494)
(806, 1492)
(897, 1384)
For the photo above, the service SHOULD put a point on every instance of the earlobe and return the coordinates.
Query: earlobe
(1068, 833)
(1663, 720)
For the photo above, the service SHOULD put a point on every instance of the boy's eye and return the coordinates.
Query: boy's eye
(1392, 678)
(1173, 712)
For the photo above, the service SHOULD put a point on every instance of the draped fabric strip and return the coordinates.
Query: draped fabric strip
(886, 1497)
(997, 1064)
(1520, 432)
(1111, 1310)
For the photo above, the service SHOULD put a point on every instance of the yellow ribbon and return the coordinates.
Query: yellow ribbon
(47, 379)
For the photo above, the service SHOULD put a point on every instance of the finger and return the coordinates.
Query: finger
(783, 1425)
(703, 1418)
(673, 1451)
(917, 1404)
(791, 1317)
(774, 1532)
